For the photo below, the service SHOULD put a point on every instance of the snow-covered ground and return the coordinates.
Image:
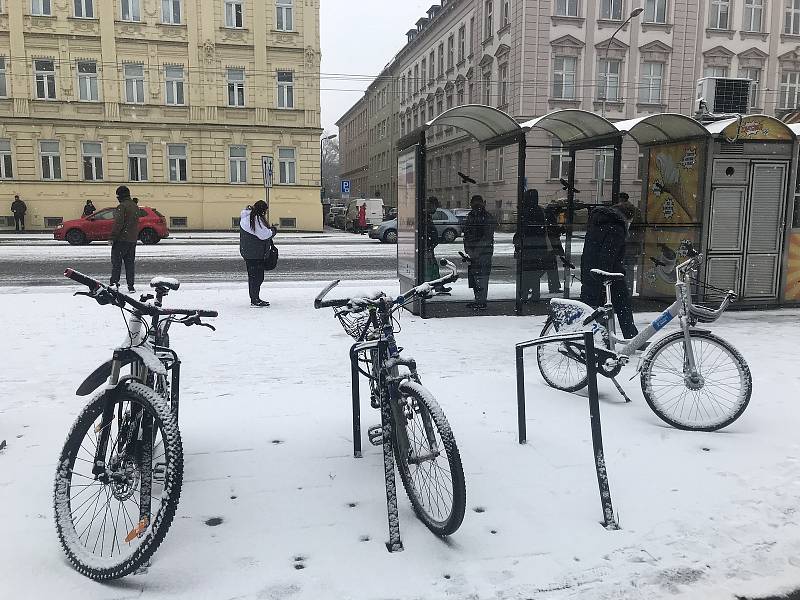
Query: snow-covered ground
(266, 428)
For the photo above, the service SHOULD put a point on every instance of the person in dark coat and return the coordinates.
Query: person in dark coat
(19, 208)
(604, 249)
(532, 247)
(123, 238)
(255, 239)
(430, 239)
(88, 208)
(554, 232)
(479, 245)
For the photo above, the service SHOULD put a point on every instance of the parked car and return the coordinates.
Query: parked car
(97, 227)
(461, 214)
(447, 226)
(335, 210)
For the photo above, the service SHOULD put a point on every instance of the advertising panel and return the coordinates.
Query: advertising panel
(407, 215)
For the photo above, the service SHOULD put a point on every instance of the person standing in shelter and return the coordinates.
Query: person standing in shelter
(88, 208)
(479, 245)
(604, 249)
(19, 208)
(255, 239)
(532, 247)
(123, 238)
(430, 236)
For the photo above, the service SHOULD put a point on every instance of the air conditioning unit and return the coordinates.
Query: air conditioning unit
(723, 95)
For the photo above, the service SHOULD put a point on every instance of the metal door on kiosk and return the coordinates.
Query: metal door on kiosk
(745, 235)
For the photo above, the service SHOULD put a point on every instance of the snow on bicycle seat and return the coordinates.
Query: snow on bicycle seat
(606, 275)
(165, 282)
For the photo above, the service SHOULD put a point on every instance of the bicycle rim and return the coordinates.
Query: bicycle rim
(431, 470)
(712, 402)
(558, 369)
(110, 526)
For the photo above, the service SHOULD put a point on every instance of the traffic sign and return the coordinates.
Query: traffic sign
(267, 166)
(345, 187)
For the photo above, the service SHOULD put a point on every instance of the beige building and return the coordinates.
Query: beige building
(354, 149)
(178, 99)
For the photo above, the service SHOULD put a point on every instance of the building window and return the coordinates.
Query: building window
(790, 89)
(488, 18)
(611, 10)
(416, 79)
(506, 12)
(235, 87)
(3, 84)
(424, 73)
(608, 88)
(238, 162)
(92, 153)
(567, 8)
(753, 14)
(84, 9)
(439, 105)
(720, 11)
(460, 95)
(41, 8)
(234, 13)
(285, 89)
(137, 162)
(451, 52)
(176, 157)
(403, 88)
(564, 68)
(754, 75)
(45, 71)
(173, 75)
(715, 72)
(449, 101)
(792, 17)
(604, 164)
(131, 10)
(503, 87)
(500, 168)
(6, 167)
(134, 83)
(462, 43)
(288, 223)
(441, 60)
(287, 166)
(87, 81)
(431, 109)
(487, 88)
(471, 34)
(285, 15)
(652, 82)
(559, 160)
(50, 154)
(655, 11)
(171, 12)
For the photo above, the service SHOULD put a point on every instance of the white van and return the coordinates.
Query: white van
(374, 212)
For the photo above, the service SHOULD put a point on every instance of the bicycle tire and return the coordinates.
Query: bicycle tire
(449, 522)
(148, 536)
(732, 384)
(559, 371)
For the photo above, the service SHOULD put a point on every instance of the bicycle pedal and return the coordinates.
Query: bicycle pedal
(375, 435)
(375, 402)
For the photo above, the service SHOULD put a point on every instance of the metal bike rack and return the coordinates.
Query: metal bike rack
(587, 337)
(395, 543)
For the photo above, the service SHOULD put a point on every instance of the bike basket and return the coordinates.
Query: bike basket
(352, 323)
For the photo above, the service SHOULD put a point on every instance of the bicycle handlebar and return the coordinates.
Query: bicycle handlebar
(104, 294)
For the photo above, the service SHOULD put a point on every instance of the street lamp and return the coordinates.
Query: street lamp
(321, 147)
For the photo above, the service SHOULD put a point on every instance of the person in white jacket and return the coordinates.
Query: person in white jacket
(255, 239)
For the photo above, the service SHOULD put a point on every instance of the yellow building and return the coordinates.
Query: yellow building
(178, 99)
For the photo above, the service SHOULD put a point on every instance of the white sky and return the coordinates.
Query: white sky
(359, 37)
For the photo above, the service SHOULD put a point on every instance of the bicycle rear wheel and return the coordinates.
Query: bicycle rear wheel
(711, 401)
(110, 525)
(557, 367)
(431, 470)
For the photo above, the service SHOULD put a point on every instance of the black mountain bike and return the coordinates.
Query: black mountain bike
(427, 455)
(120, 472)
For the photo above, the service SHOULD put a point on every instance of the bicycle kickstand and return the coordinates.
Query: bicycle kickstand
(619, 388)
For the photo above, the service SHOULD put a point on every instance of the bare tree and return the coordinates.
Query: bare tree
(330, 168)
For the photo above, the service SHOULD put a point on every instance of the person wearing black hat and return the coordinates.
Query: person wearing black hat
(88, 208)
(123, 238)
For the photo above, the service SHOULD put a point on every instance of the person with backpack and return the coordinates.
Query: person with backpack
(479, 246)
(255, 244)
(532, 246)
(19, 208)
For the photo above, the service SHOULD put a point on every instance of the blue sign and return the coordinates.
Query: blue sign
(345, 187)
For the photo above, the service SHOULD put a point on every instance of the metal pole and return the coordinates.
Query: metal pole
(570, 221)
(615, 185)
(521, 168)
(356, 403)
(521, 425)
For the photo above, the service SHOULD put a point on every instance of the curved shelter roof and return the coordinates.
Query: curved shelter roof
(753, 128)
(573, 126)
(662, 128)
(484, 123)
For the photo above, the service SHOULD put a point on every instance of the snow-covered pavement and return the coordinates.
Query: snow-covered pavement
(265, 420)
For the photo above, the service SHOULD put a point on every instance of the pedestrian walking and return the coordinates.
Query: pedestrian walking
(479, 245)
(532, 248)
(88, 208)
(19, 208)
(255, 241)
(604, 249)
(123, 238)
(362, 218)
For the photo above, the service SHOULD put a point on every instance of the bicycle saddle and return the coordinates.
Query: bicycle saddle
(606, 275)
(165, 282)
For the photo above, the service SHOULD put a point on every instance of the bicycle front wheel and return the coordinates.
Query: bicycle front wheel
(557, 364)
(430, 468)
(111, 523)
(711, 400)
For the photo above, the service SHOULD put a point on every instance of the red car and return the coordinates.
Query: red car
(97, 227)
